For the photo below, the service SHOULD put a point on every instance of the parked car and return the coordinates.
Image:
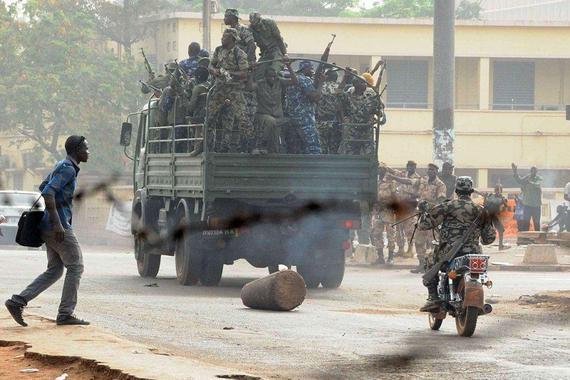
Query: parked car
(12, 205)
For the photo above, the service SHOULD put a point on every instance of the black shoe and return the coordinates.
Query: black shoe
(71, 320)
(379, 261)
(432, 304)
(390, 259)
(16, 312)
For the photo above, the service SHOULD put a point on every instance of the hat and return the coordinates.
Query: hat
(411, 163)
(304, 65)
(254, 16)
(368, 78)
(202, 59)
(464, 184)
(232, 12)
(433, 166)
(234, 33)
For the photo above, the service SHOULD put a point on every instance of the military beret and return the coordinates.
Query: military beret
(433, 166)
(411, 163)
(232, 12)
(233, 32)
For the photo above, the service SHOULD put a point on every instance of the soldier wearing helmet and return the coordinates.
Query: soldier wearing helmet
(454, 217)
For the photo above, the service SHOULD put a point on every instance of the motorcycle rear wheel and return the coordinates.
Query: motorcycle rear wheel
(434, 322)
(466, 321)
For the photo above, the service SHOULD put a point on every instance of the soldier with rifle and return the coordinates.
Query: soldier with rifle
(154, 84)
(463, 224)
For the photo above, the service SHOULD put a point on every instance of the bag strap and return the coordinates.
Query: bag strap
(36, 202)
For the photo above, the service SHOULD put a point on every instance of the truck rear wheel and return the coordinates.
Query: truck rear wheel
(310, 274)
(332, 275)
(187, 259)
(148, 265)
(212, 269)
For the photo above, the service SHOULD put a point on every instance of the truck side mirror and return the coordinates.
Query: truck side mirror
(126, 132)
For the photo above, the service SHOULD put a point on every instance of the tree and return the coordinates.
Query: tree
(273, 7)
(468, 10)
(400, 9)
(58, 78)
(123, 22)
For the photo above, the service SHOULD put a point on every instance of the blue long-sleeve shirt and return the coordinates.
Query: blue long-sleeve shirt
(60, 184)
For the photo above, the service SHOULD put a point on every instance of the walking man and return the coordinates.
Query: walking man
(62, 247)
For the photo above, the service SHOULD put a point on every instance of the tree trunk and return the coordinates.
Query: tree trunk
(280, 291)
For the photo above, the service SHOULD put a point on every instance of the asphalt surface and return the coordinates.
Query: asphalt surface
(369, 328)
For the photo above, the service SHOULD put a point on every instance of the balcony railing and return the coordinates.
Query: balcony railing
(492, 106)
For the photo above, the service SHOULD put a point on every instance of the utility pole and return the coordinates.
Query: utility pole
(206, 21)
(443, 80)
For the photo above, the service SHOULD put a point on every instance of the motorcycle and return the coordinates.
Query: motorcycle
(460, 289)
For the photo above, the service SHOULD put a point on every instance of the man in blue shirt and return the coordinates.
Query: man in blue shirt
(62, 247)
(190, 64)
(301, 100)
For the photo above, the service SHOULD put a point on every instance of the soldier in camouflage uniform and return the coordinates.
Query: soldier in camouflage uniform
(271, 45)
(383, 217)
(301, 99)
(432, 190)
(247, 44)
(408, 200)
(326, 116)
(357, 111)
(227, 106)
(454, 217)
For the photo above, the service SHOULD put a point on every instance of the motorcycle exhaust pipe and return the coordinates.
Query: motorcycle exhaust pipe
(487, 308)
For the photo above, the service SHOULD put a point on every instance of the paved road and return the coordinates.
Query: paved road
(369, 328)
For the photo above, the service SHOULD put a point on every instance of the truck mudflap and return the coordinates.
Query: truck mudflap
(474, 295)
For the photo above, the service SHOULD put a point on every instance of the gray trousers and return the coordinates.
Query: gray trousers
(60, 254)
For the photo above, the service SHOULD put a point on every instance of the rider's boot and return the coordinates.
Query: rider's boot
(421, 266)
(380, 259)
(433, 300)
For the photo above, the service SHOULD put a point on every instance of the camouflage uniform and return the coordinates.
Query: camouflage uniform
(432, 192)
(408, 196)
(229, 137)
(455, 217)
(247, 44)
(327, 123)
(359, 111)
(302, 113)
(268, 38)
(383, 217)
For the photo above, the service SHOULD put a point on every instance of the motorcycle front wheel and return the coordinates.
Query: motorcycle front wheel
(434, 322)
(466, 321)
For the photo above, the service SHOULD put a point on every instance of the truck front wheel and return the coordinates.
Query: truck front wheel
(188, 258)
(147, 264)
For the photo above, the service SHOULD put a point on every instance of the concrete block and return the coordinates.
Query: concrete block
(540, 254)
(365, 254)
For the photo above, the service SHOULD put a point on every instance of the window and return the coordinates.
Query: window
(513, 85)
(174, 45)
(173, 27)
(168, 46)
(407, 83)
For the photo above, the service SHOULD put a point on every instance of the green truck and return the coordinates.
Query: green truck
(291, 209)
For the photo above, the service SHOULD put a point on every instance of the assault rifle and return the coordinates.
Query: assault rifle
(147, 66)
(157, 91)
(451, 253)
(325, 57)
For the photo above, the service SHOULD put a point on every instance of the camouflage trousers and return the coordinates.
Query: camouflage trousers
(356, 140)
(232, 132)
(330, 132)
(423, 241)
(250, 106)
(380, 223)
(308, 133)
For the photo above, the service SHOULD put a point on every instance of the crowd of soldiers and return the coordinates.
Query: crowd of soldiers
(399, 193)
(264, 105)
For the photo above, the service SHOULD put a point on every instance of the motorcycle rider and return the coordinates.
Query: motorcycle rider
(455, 217)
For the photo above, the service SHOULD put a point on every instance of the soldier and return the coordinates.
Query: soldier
(326, 115)
(448, 178)
(268, 38)
(430, 189)
(195, 52)
(357, 111)
(454, 217)
(269, 117)
(247, 44)
(301, 99)
(229, 68)
(383, 217)
(408, 200)
(158, 84)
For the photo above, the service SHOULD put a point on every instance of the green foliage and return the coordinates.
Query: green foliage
(57, 78)
(400, 9)
(468, 10)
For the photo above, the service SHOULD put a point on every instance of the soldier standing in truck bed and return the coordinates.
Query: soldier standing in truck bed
(229, 68)
(270, 42)
(327, 115)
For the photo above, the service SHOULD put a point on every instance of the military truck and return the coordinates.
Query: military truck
(297, 210)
